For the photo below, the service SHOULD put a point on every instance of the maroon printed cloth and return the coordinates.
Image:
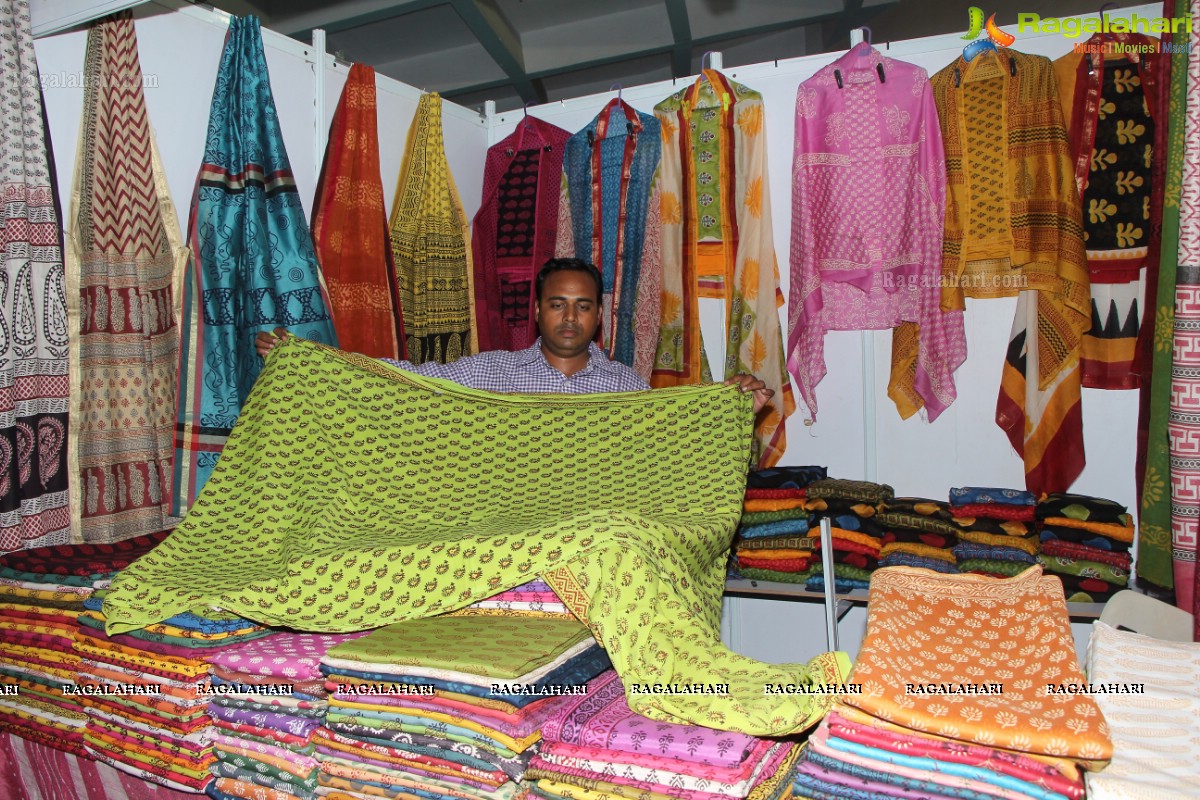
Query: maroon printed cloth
(514, 232)
(83, 559)
(995, 511)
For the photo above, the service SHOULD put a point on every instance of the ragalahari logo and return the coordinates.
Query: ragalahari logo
(995, 36)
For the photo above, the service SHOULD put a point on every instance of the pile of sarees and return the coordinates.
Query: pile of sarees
(962, 689)
(857, 538)
(997, 533)
(42, 594)
(595, 747)
(450, 708)
(1086, 543)
(918, 532)
(776, 540)
(269, 699)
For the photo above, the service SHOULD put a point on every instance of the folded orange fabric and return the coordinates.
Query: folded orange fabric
(1122, 533)
(937, 646)
(778, 504)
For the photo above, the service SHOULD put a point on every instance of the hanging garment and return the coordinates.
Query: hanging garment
(1154, 563)
(718, 243)
(1110, 102)
(609, 214)
(1013, 229)
(429, 233)
(866, 136)
(349, 227)
(1183, 427)
(515, 231)
(252, 265)
(124, 260)
(34, 346)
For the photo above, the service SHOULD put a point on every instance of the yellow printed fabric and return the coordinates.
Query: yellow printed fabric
(352, 495)
(740, 268)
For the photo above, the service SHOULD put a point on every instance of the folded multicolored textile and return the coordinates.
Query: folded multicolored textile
(1117, 531)
(787, 527)
(1082, 508)
(906, 605)
(773, 576)
(796, 564)
(283, 537)
(83, 560)
(853, 491)
(972, 495)
(992, 567)
(995, 511)
(899, 558)
(1056, 547)
(1155, 750)
(1085, 538)
(1088, 589)
(1062, 565)
(785, 477)
(777, 543)
(965, 551)
(765, 517)
(775, 494)
(1027, 544)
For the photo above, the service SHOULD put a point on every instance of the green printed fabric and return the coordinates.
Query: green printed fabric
(501, 647)
(351, 495)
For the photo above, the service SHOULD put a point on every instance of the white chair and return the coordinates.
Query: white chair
(1145, 615)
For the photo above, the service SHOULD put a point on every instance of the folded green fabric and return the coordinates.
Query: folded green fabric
(352, 495)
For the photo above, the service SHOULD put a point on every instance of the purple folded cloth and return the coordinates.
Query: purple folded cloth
(298, 726)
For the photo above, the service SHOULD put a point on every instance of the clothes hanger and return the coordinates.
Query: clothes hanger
(865, 45)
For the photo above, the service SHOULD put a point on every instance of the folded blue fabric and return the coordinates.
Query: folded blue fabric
(972, 495)
(784, 527)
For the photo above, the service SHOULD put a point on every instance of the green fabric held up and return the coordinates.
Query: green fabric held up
(1154, 563)
(351, 495)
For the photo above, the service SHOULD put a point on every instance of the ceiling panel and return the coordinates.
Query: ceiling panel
(417, 33)
(632, 30)
(715, 17)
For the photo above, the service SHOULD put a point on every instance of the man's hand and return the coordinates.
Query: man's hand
(265, 341)
(749, 383)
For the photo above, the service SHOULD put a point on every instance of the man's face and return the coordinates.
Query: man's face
(568, 313)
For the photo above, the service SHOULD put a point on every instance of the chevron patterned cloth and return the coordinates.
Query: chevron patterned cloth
(351, 495)
(34, 387)
(125, 247)
(252, 265)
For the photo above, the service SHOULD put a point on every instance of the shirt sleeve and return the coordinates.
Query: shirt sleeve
(460, 371)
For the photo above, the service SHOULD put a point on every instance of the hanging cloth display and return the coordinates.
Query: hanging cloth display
(866, 134)
(1110, 102)
(609, 215)
(125, 257)
(429, 233)
(515, 231)
(34, 346)
(252, 265)
(718, 243)
(1183, 427)
(1013, 228)
(1154, 551)
(349, 227)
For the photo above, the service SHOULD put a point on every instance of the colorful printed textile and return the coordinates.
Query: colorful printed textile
(246, 220)
(124, 261)
(82, 559)
(718, 243)
(1111, 103)
(349, 228)
(429, 233)
(34, 388)
(976, 495)
(282, 654)
(230, 548)
(1030, 245)
(990, 511)
(855, 491)
(1082, 508)
(1183, 427)
(1154, 751)
(906, 604)
(515, 231)
(860, 260)
(1153, 466)
(1053, 547)
(609, 214)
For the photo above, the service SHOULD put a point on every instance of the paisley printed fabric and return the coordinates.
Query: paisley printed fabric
(345, 504)
(34, 393)
(252, 266)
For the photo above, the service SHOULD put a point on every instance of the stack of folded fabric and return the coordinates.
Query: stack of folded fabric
(447, 706)
(268, 701)
(773, 541)
(1085, 542)
(949, 699)
(997, 532)
(1153, 728)
(147, 692)
(857, 538)
(533, 599)
(917, 533)
(596, 747)
(42, 594)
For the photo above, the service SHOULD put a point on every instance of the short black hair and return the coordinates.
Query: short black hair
(573, 265)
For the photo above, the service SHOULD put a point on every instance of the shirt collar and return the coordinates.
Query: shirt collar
(533, 355)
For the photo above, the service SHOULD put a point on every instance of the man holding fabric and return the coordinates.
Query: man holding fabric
(565, 358)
